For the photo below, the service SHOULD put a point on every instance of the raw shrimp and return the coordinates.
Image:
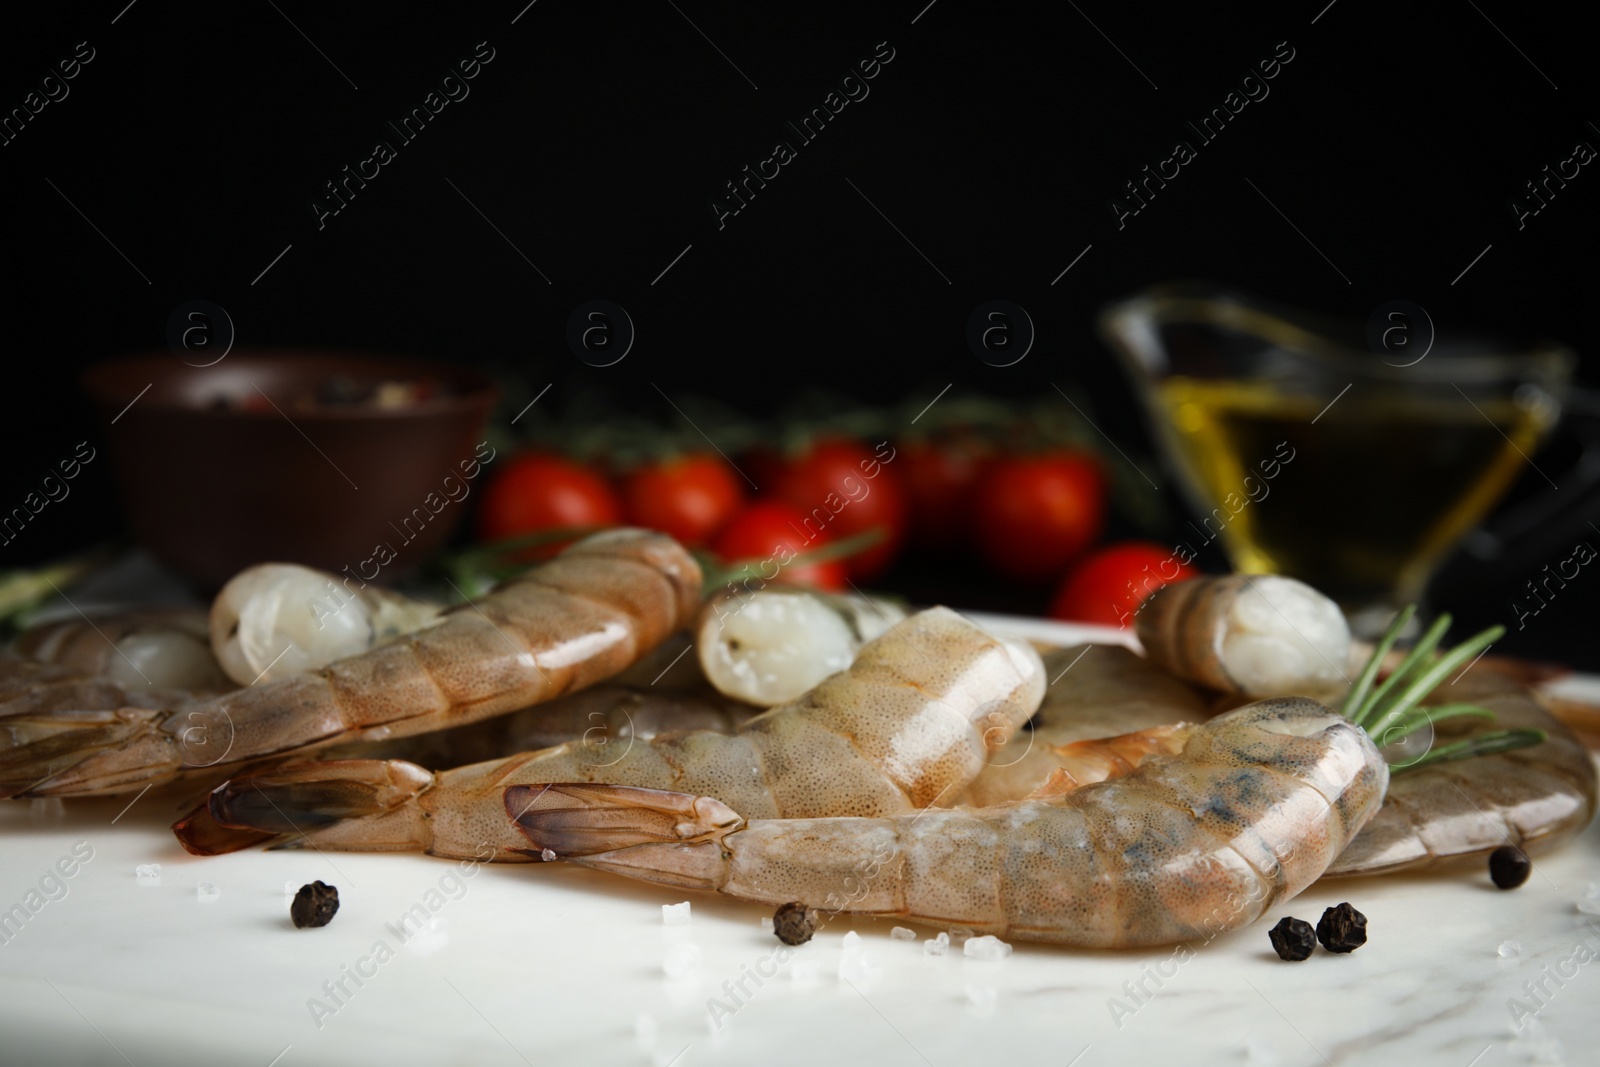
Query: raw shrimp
(574, 621)
(1250, 809)
(1438, 816)
(1258, 635)
(79, 674)
(164, 649)
(1098, 691)
(912, 718)
(1450, 815)
(47, 707)
(771, 646)
(608, 719)
(278, 619)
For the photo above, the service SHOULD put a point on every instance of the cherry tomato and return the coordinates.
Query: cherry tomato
(690, 498)
(1035, 513)
(940, 480)
(772, 530)
(537, 491)
(847, 488)
(1109, 585)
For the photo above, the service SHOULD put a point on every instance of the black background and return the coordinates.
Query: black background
(198, 136)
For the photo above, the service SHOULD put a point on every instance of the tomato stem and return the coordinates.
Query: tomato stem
(719, 573)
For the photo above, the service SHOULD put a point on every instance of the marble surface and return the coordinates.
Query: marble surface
(555, 964)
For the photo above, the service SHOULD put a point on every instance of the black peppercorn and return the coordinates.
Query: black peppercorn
(314, 905)
(1509, 866)
(1342, 929)
(1293, 939)
(793, 924)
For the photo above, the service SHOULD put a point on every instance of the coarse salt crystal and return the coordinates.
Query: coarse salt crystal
(900, 933)
(547, 855)
(1260, 1050)
(986, 947)
(766, 924)
(675, 914)
(1510, 949)
(681, 961)
(937, 946)
(1590, 904)
(148, 873)
(207, 892)
(852, 941)
(959, 934)
(858, 967)
(431, 937)
(290, 889)
(982, 996)
(1549, 1050)
(804, 971)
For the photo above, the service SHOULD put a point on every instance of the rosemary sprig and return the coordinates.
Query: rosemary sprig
(1393, 710)
(1421, 681)
(23, 590)
(1483, 745)
(1415, 719)
(1358, 692)
(1419, 654)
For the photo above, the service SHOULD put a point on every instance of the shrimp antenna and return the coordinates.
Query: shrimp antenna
(1392, 711)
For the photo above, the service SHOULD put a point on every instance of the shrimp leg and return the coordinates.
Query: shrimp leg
(1252, 808)
(912, 719)
(1097, 691)
(578, 619)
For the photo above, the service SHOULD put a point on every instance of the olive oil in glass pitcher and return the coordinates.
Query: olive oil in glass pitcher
(1378, 463)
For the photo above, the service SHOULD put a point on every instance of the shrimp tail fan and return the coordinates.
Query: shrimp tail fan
(201, 834)
(278, 806)
(660, 836)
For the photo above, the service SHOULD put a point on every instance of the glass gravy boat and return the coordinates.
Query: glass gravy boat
(1307, 453)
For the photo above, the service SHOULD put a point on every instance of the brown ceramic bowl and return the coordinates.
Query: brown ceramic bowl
(225, 466)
